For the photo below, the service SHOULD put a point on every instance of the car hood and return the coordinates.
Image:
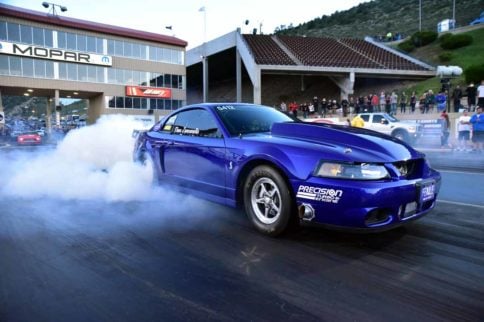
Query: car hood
(354, 144)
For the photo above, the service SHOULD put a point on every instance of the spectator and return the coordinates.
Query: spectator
(334, 106)
(393, 102)
(324, 107)
(311, 109)
(431, 101)
(283, 107)
(477, 121)
(444, 136)
(403, 103)
(344, 105)
(375, 102)
(413, 102)
(357, 121)
(352, 106)
(304, 109)
(382, 102)
(360, 107)
(426, 102)
(388, 104)
(464, 130)
(456, 96)
(471, 96)
(316, 104)
(369, 107)
(441, 100)
(480, 94)
(293, 107)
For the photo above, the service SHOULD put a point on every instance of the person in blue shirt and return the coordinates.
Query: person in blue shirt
(477, 121)
(441, 100)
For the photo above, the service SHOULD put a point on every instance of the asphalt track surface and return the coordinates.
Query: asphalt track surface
(145, 261)
(97, 261)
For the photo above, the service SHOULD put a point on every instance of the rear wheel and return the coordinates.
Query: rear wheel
(148, 172)
(268, 201)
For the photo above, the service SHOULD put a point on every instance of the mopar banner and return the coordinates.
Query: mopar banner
(143, 91)
(33, 51)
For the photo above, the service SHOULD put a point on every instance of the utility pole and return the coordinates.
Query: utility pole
(420, 16)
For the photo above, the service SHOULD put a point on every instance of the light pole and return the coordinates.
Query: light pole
(420, 16)
(53, 5)
(204, 55)
(453, 14)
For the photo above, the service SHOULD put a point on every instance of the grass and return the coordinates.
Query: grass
(462, 57)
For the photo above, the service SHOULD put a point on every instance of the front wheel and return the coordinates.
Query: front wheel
(268, 201)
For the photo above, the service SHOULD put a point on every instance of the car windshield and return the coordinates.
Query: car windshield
(243, 119)
(392, 118)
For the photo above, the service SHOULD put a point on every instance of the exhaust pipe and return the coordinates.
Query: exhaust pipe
(306, 212)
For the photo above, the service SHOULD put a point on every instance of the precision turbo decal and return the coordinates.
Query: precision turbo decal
(319, 194)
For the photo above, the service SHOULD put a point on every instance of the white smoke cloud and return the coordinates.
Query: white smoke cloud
(91, 163)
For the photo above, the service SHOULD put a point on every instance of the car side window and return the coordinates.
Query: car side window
(168, 125)
(377, 119)
(365, 118)
(195, 122)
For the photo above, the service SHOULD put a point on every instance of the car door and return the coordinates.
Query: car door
(194, 155)
(380, 124)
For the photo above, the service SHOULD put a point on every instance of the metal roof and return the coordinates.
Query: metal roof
(21, 13)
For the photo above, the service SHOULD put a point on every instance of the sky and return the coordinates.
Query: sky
(188, 22)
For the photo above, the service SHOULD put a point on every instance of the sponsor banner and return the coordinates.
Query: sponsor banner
(430, 127)
(143, 91)
(2, 117)
(70, 56)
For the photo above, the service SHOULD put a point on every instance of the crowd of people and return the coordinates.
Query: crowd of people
(389, 102)
(393, 103)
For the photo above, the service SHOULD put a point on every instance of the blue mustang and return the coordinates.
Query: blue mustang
(283, 171)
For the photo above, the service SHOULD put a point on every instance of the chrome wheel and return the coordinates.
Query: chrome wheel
(265, 199)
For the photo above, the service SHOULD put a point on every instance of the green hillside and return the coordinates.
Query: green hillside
(462, 57)
(379, 17)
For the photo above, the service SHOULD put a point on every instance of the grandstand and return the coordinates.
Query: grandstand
(254, 57)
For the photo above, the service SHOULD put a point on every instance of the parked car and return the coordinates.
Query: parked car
(29, 138)
(283, 171)
(390, 125)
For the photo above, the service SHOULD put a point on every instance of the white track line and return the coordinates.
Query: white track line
(460, 203)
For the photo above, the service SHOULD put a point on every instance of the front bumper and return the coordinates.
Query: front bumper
(366, 205)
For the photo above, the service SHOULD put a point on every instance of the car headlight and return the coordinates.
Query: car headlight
(359, 171)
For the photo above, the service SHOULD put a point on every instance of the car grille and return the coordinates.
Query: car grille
(410, 169)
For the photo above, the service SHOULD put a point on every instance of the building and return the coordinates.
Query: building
(269, 68)
(118, 70)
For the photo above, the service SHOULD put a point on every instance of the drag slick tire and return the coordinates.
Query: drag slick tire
(148, 168)
(268, 201)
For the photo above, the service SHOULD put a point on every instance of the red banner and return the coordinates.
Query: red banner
(143, 91)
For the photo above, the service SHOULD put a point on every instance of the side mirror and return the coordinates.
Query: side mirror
(383, 121)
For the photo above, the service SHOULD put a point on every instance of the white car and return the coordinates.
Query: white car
(387, 124)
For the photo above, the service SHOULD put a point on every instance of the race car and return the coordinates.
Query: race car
(283, 171)
(29, 138)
